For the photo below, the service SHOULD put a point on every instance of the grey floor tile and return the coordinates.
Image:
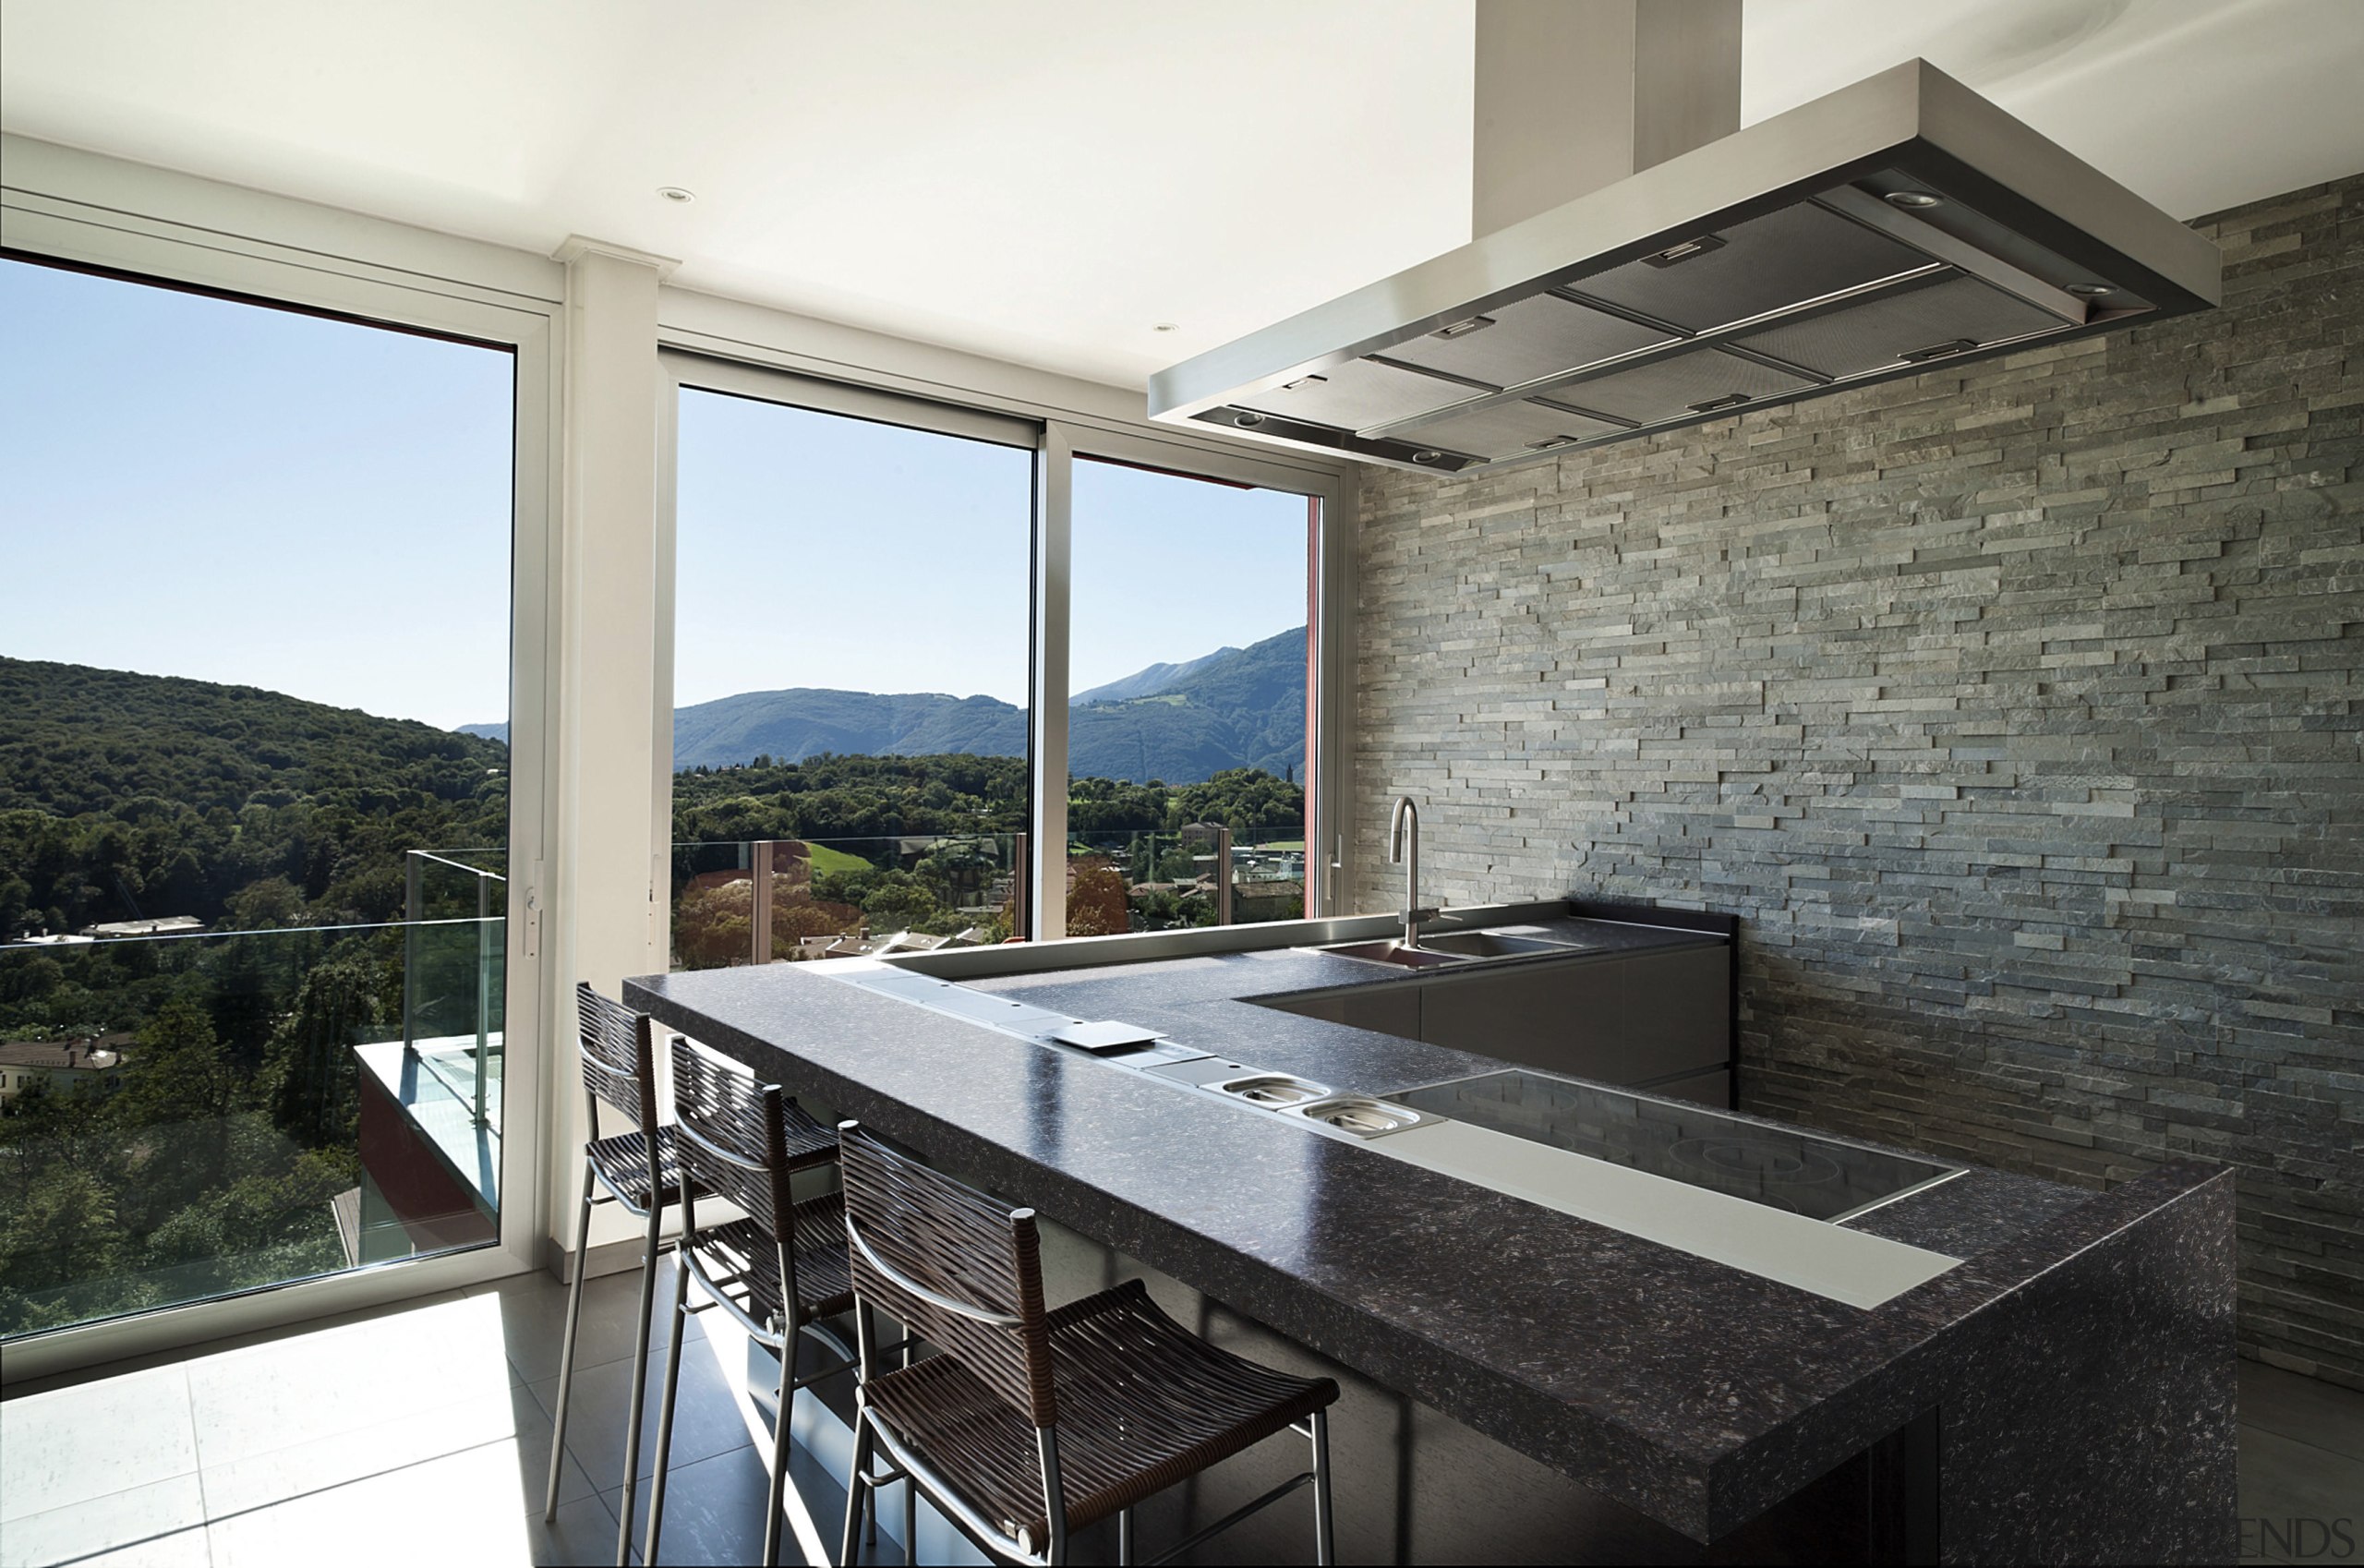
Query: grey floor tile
(312, 1387)
(709, 1417)
(2307, 1408)
(182, 1548)
(2284, 1480)
(714, 1512)
(181, 1354)
(533, 1319)
(117, 1521)
(585, 1531)
(458, 1509)
(506, 1416)
(72, 1445)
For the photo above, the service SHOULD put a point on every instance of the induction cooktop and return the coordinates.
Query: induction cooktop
(1803, 1172)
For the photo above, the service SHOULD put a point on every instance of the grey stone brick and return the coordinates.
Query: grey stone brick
(2018, 710)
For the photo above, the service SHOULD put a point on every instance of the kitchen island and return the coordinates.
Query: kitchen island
(1525, 1383)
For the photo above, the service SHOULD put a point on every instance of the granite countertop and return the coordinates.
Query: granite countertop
(1696, 1392)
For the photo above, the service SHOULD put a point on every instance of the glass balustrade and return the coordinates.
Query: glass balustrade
(1201, 874)
(194, 1114)
(794, 899)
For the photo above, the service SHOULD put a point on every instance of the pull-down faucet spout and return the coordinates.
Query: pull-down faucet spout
(1403, 848)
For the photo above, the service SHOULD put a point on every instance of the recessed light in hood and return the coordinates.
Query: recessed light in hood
(1901, 223)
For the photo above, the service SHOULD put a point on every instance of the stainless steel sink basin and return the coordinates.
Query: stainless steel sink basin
(1455, 947)
(1494, 944)
(1274, 1089)
(1362, 1114)
(1388, 950)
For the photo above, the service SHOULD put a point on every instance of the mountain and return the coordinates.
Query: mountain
(1148, 683)
(1234, 708)
(127, 796)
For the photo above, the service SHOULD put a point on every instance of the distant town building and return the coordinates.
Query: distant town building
(162, 925)
(92, 1061)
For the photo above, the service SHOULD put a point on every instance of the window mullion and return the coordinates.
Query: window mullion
(1047, 753)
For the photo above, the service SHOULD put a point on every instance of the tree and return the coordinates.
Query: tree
(1095, 897)
(309, 1069)
(900, 902)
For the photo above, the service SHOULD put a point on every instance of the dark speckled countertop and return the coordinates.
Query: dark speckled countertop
(1696, 1392)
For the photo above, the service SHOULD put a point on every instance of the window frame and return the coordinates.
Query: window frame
(421, 284)
(1058, 438)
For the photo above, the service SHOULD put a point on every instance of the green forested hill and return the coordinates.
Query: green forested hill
(1237, 707)
(127, 796)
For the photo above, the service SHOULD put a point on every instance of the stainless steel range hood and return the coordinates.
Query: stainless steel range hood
(1893, 226)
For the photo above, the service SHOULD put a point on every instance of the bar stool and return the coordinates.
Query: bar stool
(1031, 1424)
(636, 1169)
(780, 1270)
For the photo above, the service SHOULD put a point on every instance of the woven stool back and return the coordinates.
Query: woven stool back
(619, 1059)
(958, 1269)
(733, 1138)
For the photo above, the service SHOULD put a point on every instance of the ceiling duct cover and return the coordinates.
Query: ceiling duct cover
(1893, 226)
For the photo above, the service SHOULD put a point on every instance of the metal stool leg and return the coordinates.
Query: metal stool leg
(1124, 1535)
(1325, 1548)
(639, 1384)
(665, 1412)
(775, 1495)
(566, 1350)
(910, 1520)
(846, 1550)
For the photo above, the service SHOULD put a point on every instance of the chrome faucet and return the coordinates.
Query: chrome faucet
(1403, 848)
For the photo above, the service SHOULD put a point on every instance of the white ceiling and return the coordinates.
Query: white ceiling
(1045, 180)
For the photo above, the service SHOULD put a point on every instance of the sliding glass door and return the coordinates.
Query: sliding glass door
(255, 803)
(850, 656)
(1191, 620)
(872, 599)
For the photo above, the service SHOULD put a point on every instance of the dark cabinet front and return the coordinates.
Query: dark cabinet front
(1649, 1018)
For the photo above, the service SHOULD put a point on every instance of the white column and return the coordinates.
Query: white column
(609, 884)
(1047, 704)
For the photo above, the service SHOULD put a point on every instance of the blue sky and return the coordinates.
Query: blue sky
(817, 550)
(195, 487)
(202, 488)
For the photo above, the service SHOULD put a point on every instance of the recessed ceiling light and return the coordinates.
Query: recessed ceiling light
(2091, 291)
(675, 193)
(1915, 198)
(1428, 457)
(1167, 327)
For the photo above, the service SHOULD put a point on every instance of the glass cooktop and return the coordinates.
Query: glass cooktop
(1805, 1173)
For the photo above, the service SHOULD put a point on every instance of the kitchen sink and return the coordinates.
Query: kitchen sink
(1273, 1089)
(1453, 947)
(1388, 950)
(1494, 944)
(1362, 1114)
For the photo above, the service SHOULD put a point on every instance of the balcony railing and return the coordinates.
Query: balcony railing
(788, 899)
(230, 1109)
(1202, 874)
(454, 970)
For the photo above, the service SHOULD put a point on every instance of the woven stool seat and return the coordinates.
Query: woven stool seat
(1143, 1404)
(741, 1260)
(621, 1164)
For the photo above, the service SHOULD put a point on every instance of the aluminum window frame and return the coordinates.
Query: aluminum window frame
(1058, 438)
(215, 244)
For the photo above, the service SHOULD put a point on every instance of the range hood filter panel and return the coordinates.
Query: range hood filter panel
(1792, 254)
(1507, 429)
(1678, 387)
(1529, 339)
(1357, 394)
(1883, 330)
(1899, 225)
